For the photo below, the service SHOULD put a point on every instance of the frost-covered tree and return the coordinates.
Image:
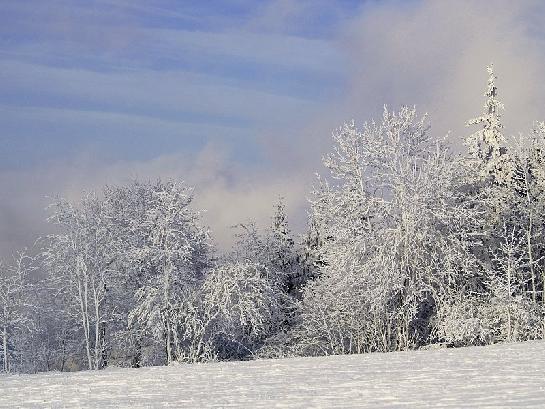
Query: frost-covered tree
(245, 303)
(502, 187)
(507, 280)
(128, 207)
(389, 247)
(281, 250)
(256, 284)
(175, 253)
(80, 259)
(16, 322)
(127, 264)
(534, 182)
(487, 145)
(525, 204)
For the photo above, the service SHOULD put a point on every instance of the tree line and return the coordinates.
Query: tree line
(408, 245)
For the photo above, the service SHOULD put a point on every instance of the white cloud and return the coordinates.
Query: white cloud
(225, 190)
(435, 53)
(430, 53)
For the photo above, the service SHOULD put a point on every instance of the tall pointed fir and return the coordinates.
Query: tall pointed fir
(487, 145)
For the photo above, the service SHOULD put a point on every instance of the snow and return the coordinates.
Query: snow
(507, 375)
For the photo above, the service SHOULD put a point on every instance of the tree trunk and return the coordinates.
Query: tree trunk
(529, 237)
(543, 298)
(5, 346)
(82, 293)
(168, 344)
(99, 341)
(103, 352)
(509, 301)
(63, 355)
(137, 358)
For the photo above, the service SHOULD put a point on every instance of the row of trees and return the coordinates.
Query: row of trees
(407, 245)
(131, 278)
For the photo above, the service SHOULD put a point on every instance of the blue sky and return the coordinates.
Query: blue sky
(136, 79)
(239, 97)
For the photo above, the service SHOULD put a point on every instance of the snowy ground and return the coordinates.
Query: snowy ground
(510, 375)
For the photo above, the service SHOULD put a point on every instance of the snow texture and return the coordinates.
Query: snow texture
(507, 375)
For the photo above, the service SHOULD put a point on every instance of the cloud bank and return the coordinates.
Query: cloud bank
(243, 111)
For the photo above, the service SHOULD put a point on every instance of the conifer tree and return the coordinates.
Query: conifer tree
(487, 145)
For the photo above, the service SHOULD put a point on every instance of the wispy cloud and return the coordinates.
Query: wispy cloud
(238, 98)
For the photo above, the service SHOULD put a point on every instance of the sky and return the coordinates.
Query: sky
(238, 98)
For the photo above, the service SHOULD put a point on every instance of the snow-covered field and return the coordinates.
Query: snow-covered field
(509, 375)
